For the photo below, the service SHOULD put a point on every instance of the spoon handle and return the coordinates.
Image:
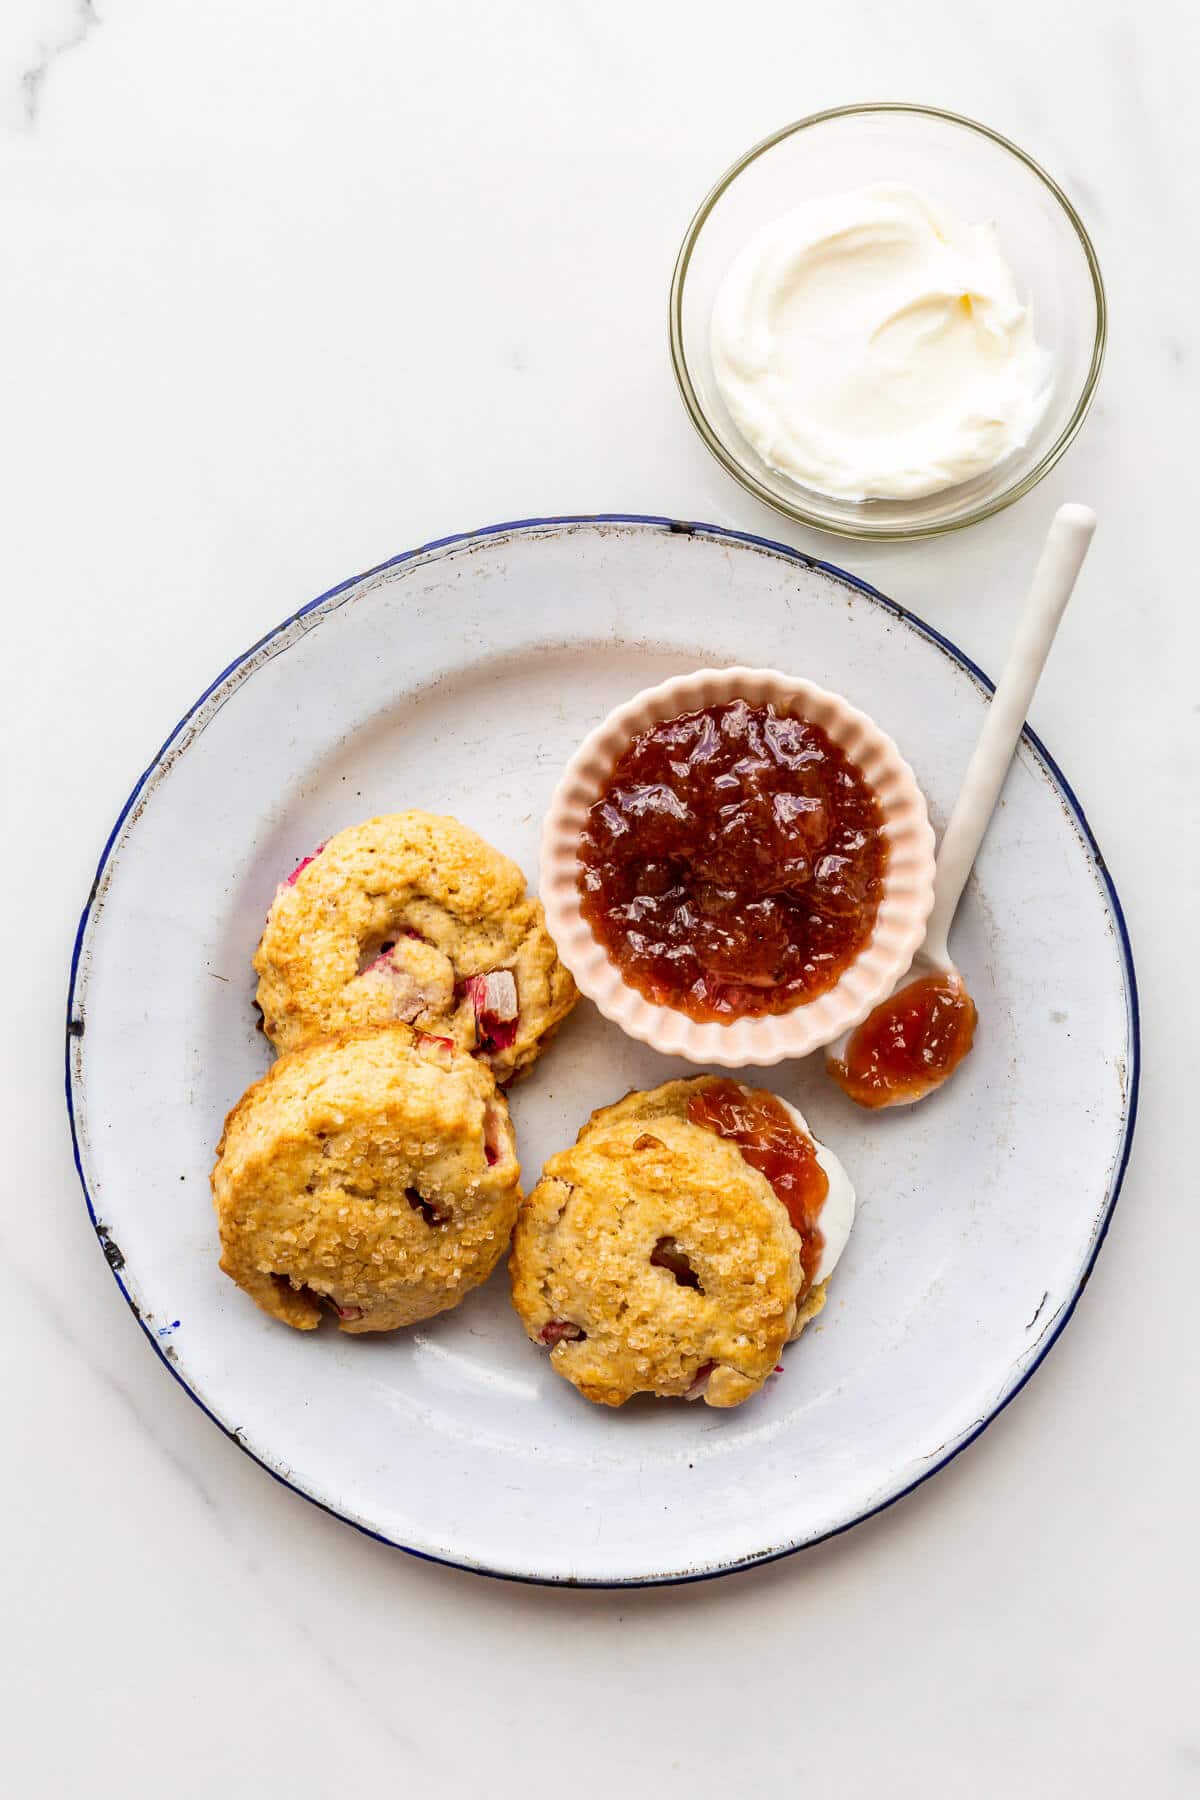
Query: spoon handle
(1058, 566)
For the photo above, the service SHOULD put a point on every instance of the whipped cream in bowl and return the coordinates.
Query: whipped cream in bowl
(871, 345)
(886, 321)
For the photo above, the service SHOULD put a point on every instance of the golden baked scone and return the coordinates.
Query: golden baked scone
(412, 917)
(375, 1173)
(674, 1100)
(651, 1258)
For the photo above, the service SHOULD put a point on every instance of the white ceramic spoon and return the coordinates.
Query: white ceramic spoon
(1054, 579)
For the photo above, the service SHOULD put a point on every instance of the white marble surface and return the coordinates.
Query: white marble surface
(288, 287)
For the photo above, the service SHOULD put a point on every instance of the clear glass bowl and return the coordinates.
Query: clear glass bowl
(977, 174)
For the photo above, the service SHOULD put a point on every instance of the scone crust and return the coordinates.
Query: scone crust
(581, 1255)
(671, 1101)
(314, 1171)
(453, 907)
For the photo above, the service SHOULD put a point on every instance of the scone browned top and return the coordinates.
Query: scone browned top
(412, 917)
(652, 1258)
(678, 1100)
(374, 1172)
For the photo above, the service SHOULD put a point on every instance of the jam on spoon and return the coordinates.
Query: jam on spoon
(912, 1042)
(915, 1039)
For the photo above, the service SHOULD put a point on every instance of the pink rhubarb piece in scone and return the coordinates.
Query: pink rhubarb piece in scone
(412, 917)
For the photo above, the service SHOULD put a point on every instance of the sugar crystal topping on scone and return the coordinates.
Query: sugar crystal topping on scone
(412, 917)
(373, 1174)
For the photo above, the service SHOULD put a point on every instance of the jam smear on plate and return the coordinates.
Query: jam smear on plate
(771, 1142)
(909, 1043)
(734, 864)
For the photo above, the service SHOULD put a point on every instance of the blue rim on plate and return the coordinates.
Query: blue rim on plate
(689, 528)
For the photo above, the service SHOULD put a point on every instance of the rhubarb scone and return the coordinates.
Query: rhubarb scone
(373, 1173)
(774, 1138)
(412, 917)
(652, 1258)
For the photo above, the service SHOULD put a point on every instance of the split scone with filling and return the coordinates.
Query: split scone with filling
(680, 1243)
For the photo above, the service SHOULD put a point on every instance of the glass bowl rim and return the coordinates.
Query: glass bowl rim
(820, 521)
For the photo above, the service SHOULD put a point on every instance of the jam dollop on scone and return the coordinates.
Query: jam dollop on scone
(676, 1247)
(412, 917)
(373, 1173)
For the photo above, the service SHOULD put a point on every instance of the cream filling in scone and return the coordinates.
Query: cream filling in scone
(837, 1212)
(374, 1174)
(412, 917)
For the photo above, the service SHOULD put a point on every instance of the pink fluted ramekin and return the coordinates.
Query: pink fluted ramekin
(903, 909)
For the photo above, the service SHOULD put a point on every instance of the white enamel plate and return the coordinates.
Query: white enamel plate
(459, 678)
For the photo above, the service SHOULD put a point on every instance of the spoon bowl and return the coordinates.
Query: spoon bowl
(910, 1043)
